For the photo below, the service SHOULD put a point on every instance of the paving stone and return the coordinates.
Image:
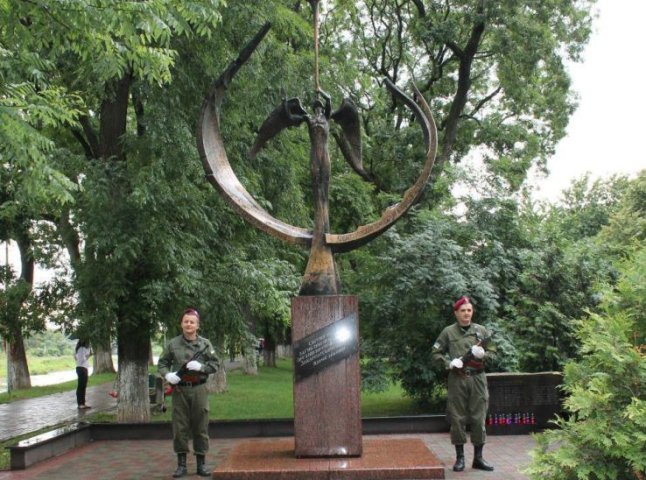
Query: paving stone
(154, 459)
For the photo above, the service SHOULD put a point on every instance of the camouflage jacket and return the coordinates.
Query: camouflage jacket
(453, 342)
(179, 351)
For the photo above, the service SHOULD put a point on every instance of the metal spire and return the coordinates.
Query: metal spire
(315, 8)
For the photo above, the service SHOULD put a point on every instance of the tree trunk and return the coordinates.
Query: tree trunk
(103, 358)
(269, 352)
(133, 334)
(250, 361)
(284, 351)
(133, 404)
(217, 383)
(151, 360)
(269, 356)
(17, 369)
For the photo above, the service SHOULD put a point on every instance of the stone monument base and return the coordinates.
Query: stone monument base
(327, 386)
(382, 459)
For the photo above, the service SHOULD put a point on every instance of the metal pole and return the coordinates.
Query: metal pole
(4, 340)
(315, 8)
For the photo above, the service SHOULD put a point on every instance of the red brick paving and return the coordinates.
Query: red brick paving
(154, 459)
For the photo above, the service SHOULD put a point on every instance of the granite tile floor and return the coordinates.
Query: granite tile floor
(153, 459)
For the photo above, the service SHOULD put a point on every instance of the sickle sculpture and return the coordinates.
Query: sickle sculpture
(320, 275)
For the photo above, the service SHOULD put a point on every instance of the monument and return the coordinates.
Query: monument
(325, 323)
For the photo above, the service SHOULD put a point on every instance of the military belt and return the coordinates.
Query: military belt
(468, 371)
(191, 384)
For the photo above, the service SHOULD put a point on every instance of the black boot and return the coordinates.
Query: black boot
(478, 461)
(202, 471)
(181, 466)
(459, 458)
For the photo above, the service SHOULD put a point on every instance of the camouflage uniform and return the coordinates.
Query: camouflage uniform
(468, 396)
(190, 397)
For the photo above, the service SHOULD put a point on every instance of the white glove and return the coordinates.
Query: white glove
(194, 365)
(172, 378)
(456, 363)
(477, 351)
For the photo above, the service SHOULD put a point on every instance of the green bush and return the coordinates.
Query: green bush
(604, 436)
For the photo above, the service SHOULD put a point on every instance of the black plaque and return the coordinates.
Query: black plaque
(326, 346)
(523, 402)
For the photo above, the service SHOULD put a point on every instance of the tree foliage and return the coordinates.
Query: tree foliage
(492, 89)
(604, 434)
(407, 290)
(555, 270)
(100, 102)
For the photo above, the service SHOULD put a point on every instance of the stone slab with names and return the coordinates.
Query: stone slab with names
(523, 402)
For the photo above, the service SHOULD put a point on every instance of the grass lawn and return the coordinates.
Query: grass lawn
(40, 365)
(266, 395)
(270, 395)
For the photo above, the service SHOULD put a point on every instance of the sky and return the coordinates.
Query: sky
(604, 135)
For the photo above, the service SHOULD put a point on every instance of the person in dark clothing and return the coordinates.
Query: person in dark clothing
(82, 356)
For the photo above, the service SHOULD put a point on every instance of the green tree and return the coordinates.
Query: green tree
(604, 433)
(493, 91)
(50, 343)
(107, 55)
(156, 237)
(626, 230)
(31, 107)
(146, 235)
(558, 267)
(494, 95)
(407, 291)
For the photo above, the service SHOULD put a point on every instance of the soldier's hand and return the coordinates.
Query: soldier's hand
(456, 363)
(478, 351)
(194, 365)
(172, 378)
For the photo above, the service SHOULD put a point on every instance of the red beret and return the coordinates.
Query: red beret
(463, 299)
(191, 311)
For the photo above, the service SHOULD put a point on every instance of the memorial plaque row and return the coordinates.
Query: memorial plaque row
(523, 403)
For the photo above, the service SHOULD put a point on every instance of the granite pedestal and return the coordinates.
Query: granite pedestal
(328, 443)
(327, 385)
(382, 459)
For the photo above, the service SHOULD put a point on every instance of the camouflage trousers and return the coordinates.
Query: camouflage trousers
(467, 403)
(191, 419)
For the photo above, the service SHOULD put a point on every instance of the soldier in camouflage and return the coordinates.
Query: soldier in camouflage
(186, 363)
(468, 397)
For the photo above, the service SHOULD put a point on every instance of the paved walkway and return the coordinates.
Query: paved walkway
(25, 416)
(154, 459)
(33, 414)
